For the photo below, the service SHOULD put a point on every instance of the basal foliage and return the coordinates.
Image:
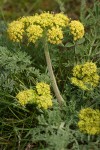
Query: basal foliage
(16, 69)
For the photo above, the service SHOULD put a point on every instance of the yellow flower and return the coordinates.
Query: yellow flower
(89, 68)
(46, 19)
(91, 81)
(79, 83)
(44, 98)
(77, 71)
(15, 31)
(60, 20)
(74, 80)
(55, 35)
(26, 96)
(89, 121)
(77, 29)
(34, 26)
(85, 76)
(41, 96)
(95, 79)
(34, 32)
(43, 88)
(44, 101)
(31, 20)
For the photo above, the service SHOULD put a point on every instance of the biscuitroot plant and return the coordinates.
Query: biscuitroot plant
(48, 28)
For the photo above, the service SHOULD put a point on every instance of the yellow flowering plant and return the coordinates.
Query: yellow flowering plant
(48, 28)
(35, 114)
(41, 96)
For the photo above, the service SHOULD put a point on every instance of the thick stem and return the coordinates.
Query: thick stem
(52, 77)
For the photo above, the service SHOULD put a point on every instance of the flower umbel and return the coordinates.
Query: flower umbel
(77, 29)
(85, 76)
(89, 68)
(15, 31)
(55, 35)
(77, 71)
(89, 121)
(31, 20)
(26, 96)
(42, 88)
(44, 101)
(79, 83)
(34, 32)
(46, 19)
(41, 96)
(60, 20)
(34, 26)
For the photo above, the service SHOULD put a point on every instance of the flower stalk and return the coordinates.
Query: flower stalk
(52, 76)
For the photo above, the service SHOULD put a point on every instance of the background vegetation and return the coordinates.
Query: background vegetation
(11, 9)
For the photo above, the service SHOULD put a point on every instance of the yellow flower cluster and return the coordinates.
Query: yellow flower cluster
(49, 23)
(43, 88)
(34, 32)
(55, 35)
(41, 96)
(77, 71)
(77, 29)
(85, 76)
(89, 121)
(35, 26)
(26, 96)
(89, 68)
(46, 19)
(79, 83)
(44, 101)
(44, 98)
(31, 20)
(15, 31)
(61, 20)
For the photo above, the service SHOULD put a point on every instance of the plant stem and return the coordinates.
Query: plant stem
(52, 77)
